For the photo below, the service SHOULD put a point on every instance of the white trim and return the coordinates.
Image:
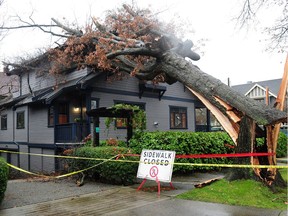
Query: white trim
(261, 87)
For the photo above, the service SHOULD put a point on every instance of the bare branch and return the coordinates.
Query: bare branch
(26, 26)
(278, 32)
(67, 29)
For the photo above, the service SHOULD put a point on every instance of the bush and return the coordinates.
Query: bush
(281, 150)
(186, 143)
(109, 172)
(282, 145)
(4, 171)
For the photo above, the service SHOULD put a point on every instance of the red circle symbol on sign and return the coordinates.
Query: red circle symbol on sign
(154, 171)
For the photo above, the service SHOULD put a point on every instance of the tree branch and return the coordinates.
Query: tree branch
(67, 29)
(135, 51)
(26, 26)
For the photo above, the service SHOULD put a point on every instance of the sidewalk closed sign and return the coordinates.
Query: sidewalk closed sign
(156, 165)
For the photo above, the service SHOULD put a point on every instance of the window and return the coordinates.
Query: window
(63, 113)
(121, 123)
(20, 124)
(178, 117)
(3, 122)
(51, 116)
(94, 104)
(201, 119)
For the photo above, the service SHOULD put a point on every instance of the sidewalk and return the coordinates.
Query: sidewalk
(128, 201)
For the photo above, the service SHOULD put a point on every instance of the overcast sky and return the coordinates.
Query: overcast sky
(228, 52)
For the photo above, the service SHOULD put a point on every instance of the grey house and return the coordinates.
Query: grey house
(257, 90)
(48, 113)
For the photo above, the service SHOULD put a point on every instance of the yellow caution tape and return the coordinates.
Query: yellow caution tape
(130, 161)
(217, 165)
(64, 175)
(55, 156)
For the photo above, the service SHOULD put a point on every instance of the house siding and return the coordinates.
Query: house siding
(39, 132)
(36, 137)
(156, 110)
(6, 135)
(44, 80)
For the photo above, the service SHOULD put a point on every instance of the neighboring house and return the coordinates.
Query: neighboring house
(48, 113)
(257, 91)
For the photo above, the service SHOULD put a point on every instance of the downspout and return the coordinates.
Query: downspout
(13, 136)
(28, 114)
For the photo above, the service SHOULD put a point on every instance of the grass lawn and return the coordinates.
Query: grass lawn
(240, 192)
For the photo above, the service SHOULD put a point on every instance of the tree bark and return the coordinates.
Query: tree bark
(244, 113)
(211, 88)
(244, 145)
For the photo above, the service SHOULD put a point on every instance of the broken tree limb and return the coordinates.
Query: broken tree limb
(205, 183)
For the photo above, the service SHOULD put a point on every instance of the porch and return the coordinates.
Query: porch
(71, 132)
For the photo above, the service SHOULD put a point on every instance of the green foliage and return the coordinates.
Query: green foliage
(4, 171)
(282, 145)
(240, 193)
(139, 116)
(186, 143)
(284, 174)
(281, 150)
(108, 172)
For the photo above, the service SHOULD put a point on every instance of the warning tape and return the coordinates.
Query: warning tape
(130, 161)
(55, 156)
(64, 175)
(215, 165)
(255, 154)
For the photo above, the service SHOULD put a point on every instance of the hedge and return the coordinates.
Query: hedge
(108, 172)
(4, 171)
(195, 143)
(281, 150)
(186, 143)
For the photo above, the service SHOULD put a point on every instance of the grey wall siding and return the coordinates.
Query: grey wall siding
(42, 164)
(24, 84)
(7, 135)
(39, 132)
(43, 80)
(24, 159)
(10, 158)
(156, 111)
(48, 162)
(35, 161)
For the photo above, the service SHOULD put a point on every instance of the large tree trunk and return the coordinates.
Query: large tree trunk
(214, 91)
(245, 143)
(240, 114)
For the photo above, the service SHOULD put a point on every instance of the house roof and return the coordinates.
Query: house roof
(49, 94)
(273, 85)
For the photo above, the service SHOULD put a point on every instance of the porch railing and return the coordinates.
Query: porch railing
(71, 132)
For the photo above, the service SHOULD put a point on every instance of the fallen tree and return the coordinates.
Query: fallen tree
(134, 41)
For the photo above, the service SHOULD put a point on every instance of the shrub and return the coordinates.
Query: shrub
(3, 177)
(186, 143)
(282, 145)
(109, 172)
(281, 150)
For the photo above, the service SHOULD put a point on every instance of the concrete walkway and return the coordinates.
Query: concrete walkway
(128, 201)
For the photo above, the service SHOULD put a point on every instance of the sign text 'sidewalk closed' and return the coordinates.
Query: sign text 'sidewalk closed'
(156, 165)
